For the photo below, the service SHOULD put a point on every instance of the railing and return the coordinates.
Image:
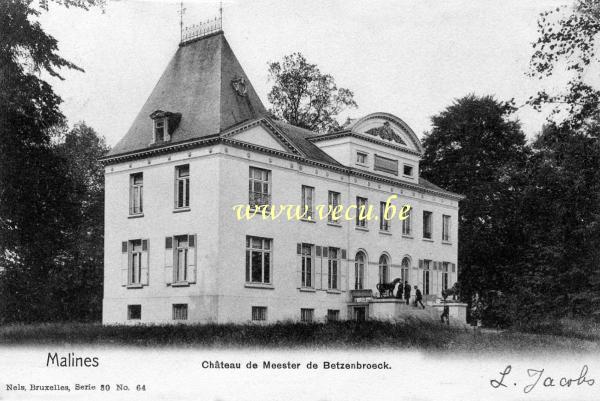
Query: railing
(202, 29)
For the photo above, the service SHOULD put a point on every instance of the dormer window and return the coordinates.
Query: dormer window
(164, 124)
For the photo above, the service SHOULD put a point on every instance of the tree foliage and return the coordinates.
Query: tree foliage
(303, 96)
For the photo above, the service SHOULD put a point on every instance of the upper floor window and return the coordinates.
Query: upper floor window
(361, 158)
(408, 170)
(258, 260)
(259, 187)
(307, 265)
(136, 188)
(308, 195)
(361, 212)
(333, 200)
(384, 224)
(406, 223)
(446, 228)
(160, 129)
(386, 165)
(182, 186)
(427, 224)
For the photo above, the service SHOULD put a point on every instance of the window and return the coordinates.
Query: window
(259, 187)
(182, 186)
(181, 258)
(406, 224)
(427, 225)
(307, 265)
(259, 313)
(333, 200)
(160, 129)
(136, 193)
(426, 276)
(180, 311)
(445, 275)
(404, 269)
(134, 312)
(407, 170)
(361, 212)
(333, 315)
(332, 268)
(258, 260)
(306, 315)
(308, 194)
(446, 228)
(361, 158)
(384, 224)
(135, 262)
(359, 270)
(386, 165)
(383, 269)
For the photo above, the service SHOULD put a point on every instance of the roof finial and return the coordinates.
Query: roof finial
(181, 11)
(221, 11)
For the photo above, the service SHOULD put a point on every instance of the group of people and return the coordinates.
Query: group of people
(405, 290)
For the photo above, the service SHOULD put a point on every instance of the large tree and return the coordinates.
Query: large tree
(477, 150)
(304, 96)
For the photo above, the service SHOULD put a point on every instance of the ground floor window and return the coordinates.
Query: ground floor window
(333, 315)
(180, 311)
(332, 269)
(258, 260)
(445, 276)
(426, 282)
(259, 313)
(307, 264)
(306, 315)
(359, 270)
(134, 312)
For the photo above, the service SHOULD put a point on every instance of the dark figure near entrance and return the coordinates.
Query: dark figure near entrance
(399, 292)
(446, 313)
(418, 297)
(406, 292)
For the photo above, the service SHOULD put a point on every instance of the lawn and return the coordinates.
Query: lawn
(422, 335)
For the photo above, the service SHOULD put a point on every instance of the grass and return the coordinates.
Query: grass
(415, 334)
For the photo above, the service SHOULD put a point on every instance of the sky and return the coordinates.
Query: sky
(410, 58)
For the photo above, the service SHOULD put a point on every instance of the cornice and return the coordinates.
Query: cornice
(345, 133)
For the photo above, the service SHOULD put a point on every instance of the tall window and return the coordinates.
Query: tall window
(427, 225)
(333, 200)
(426, 276)
(384, 224)
(359, 270)
(406, 223)
(136, 189)
(258, 260)
(160, 128)
(308, 195)
(405, 269)
(259, 187)
(446, 228)
(361, 204)
(445, 275)
(307, 265)
(182, 186)
(383, 269)
(332, 269)
(181, 258)
(135, 262)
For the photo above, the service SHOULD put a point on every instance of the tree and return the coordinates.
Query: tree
(568, 37)
(475, 149)
(305, 97)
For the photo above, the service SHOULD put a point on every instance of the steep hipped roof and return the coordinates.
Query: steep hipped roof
(198, 83)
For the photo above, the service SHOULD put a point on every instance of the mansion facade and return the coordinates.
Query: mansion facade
(175, 250)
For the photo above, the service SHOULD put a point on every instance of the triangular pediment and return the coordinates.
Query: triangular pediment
(260, 136)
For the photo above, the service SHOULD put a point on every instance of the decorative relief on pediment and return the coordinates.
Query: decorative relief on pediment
(386, 132)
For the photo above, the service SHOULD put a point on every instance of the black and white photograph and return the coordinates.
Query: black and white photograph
(299, 200)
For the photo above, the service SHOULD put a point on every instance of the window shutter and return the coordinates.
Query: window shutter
(325, 251)
(145, 262)
(298, 249)
(421, 264)
(343, 268)
(192, 259)
(124, 263)
(318, 273)
(343, 254)
(318, 251)
(169, 260)
(453, 267)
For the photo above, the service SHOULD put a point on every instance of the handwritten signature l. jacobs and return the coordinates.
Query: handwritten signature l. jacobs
(537, 376)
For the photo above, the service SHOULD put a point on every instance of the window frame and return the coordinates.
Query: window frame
(306, 274)
(411, 170)
(407, 224)
(180, 311)
(384, 268)
(333, 199)
(178, 249)
(359, 202)
(307, 315)
(258, 313)
(263, 250)
(261, 198)
(359, 270)
(333, 315)
(131, 268)
(384, 224)
(308, 199)
(446, 228)
(365, 157)
(164, 125)
(184, 182)
(130, 313)
(427, 225)
(333, 268)
(136, 194)
(427, 273)
(445, 276)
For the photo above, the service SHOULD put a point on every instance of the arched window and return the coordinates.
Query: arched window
(359, 270)
(384, 269)
(405, 269)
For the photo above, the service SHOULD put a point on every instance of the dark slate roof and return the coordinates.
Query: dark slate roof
(198, 84)
(298, 136)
